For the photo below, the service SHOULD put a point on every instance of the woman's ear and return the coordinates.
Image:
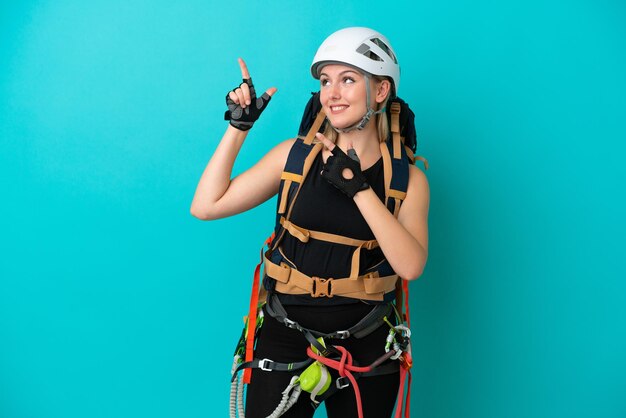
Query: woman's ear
(382, 90)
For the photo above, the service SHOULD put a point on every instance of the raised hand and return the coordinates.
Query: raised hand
(244, 108)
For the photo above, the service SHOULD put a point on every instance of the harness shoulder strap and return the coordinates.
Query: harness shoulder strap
(396, 159)
(299, 161)
(395, 164)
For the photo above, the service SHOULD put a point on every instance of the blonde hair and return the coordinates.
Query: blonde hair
(382, 124)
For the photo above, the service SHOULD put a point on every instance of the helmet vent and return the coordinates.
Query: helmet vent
(365, 50)
(385, 48)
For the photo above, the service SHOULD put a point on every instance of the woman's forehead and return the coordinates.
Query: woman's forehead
(338, 69)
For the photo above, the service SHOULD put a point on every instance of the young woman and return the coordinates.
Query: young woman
(342, 196)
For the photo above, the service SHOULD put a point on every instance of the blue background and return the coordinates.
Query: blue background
(115, 302)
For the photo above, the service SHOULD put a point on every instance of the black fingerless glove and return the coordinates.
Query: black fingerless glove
(241, 118)
(332, 172)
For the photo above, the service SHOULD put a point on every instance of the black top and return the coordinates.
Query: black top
(320, 206)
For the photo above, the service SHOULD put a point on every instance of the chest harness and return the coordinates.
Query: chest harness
(281, 275)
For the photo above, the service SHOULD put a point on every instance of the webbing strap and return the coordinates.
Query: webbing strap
(397, 150)
(396, 174)
(356, 262)
(422, 159)
(397, 194)
(270, 366)
(368, 324)
(252, 313)
(297, 178)
(317, 123)
(396, 207)
(301, 234)
(308, 161)
(292, 281)
(405, 289)
(409, 154)
(395, 116)
(402, 301)
(282, 206)
(384, 151)
(304, 234)
(395, 130)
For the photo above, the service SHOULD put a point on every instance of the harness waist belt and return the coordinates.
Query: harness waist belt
(368, 324)
(291, 281)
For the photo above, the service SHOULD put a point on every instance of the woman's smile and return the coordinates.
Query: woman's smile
(335, 109)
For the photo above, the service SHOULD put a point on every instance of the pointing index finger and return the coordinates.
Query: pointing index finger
(327, 143)
(244, 69)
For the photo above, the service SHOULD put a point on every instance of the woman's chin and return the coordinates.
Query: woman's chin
(341, 123)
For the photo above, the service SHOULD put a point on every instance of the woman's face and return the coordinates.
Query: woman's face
(342, 95)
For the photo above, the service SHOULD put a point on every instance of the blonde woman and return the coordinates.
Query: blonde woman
(336, 235)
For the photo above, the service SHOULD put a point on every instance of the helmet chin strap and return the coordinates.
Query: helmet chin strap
(368, 115)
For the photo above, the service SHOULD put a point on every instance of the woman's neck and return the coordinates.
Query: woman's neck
(365, 142)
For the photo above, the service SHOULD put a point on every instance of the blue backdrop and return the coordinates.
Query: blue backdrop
(115, 302)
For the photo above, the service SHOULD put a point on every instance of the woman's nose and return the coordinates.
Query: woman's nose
(334, 91)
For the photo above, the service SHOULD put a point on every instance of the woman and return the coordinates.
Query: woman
(342, 196)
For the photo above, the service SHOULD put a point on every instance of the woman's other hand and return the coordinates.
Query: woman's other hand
(342, 170)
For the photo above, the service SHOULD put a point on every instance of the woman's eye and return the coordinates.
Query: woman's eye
(348, 80)
(324, 82)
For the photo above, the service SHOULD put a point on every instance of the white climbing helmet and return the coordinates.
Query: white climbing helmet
(363, 48)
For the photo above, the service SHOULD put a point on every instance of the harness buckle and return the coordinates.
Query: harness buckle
(266, 364)
(290, 324)
(321, 287)
(342, 335)
(342, 382)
